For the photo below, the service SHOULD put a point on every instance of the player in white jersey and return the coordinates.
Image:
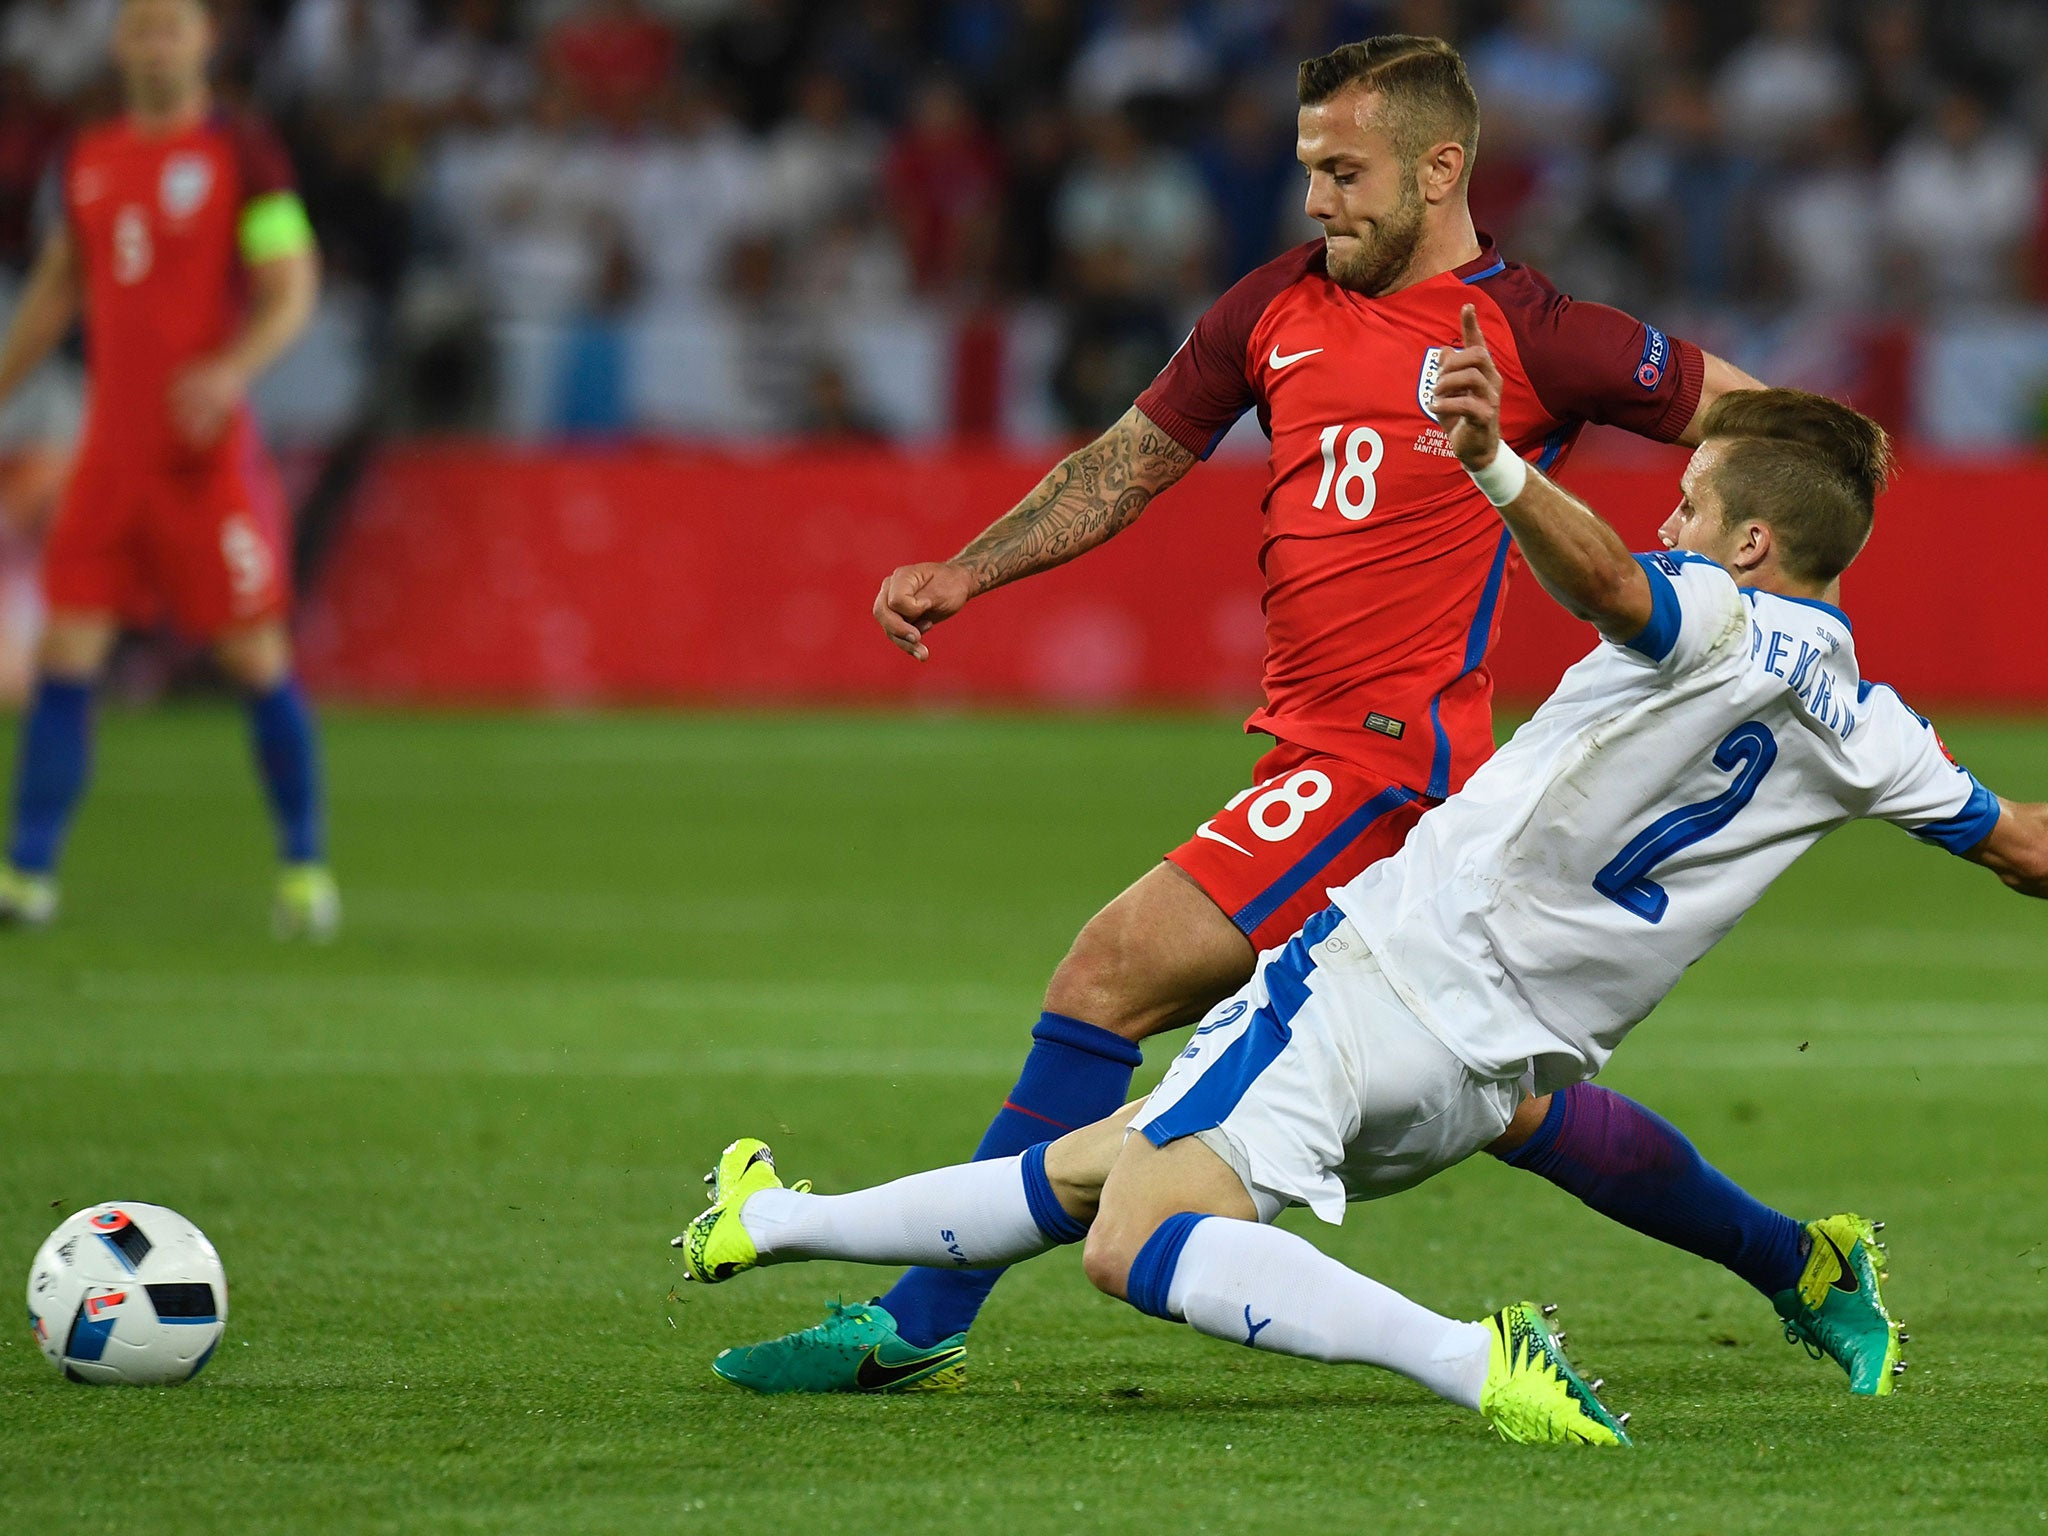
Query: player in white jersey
(1720, 730)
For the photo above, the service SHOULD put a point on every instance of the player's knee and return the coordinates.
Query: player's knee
(1107, 1256)
(1102, 983)
(73, 650)
(257, 658)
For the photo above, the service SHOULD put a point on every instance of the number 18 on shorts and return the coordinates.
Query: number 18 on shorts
(1310, 821)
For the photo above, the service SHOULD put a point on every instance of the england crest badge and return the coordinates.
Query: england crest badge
(187, 178)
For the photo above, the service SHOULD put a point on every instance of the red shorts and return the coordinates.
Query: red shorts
(1310, 821)
(198, 542)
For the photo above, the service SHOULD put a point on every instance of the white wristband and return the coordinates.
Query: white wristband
(1501, 480)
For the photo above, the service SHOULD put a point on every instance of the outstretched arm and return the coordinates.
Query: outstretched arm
(2017, 849)
(1578, 558)
(1091, 495)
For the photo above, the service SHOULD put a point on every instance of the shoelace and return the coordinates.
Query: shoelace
(1796, 1335)
(836, 1311)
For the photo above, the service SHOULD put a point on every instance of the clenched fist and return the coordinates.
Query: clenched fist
(915, 597)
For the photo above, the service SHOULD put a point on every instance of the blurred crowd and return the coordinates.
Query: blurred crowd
(855, 217)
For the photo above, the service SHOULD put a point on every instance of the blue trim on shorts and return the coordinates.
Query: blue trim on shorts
(1212, 1096)
(1253, 913)
(1046, 1210)
(1151, 1279)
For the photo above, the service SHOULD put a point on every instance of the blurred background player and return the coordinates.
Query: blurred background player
(186, 250)
(1384, 573)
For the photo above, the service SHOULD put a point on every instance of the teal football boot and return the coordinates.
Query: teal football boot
(1837, 1309)
(855, 1349)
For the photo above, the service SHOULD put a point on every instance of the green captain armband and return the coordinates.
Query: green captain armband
(274, 225)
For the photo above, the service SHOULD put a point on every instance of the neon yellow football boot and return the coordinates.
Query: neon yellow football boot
(1837, 1308)
(308, 904)
(26, 900)
(1532, 1395)
(716, 1246)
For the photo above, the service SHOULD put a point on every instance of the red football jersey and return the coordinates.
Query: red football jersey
(156, 219)
(1384, 565)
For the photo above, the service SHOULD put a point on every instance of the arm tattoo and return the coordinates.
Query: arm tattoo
(1091, 495)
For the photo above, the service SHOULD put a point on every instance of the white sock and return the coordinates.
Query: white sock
(970, 1216)
(1267, 1288)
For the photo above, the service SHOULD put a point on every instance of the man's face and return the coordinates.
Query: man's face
(1362, 193)
(1699, 525)
(161, 48)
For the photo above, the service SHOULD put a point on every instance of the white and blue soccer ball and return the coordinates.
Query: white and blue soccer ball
(127, 1293)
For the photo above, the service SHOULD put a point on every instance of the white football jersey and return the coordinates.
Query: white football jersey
(1537, 915)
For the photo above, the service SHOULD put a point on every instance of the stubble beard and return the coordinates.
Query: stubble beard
(1376, 262)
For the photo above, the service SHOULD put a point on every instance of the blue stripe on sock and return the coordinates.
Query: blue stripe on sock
(1151, 1280)
(1046, 1210)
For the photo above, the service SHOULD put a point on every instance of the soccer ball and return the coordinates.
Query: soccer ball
(127, 1292)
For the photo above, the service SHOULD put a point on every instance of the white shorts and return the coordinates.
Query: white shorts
(1318, 1085)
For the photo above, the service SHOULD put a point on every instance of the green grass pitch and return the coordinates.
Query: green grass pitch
(441, 1160)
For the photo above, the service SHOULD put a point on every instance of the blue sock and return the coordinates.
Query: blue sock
(1074, 1076)
(1637, 1168)
(1151, 1278)
(281, 729)
(54, 761)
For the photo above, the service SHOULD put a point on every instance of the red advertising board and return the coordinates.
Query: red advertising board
(484, 574)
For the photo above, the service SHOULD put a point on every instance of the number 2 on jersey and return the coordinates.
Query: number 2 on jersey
(1747, 752)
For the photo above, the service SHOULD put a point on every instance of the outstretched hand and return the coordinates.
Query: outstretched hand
(1467, 395)
(915, 597)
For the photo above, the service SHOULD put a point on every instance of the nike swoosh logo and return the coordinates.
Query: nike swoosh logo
(1204, 830)
(874, 1374)
(1279, 361)
(1846, 1280)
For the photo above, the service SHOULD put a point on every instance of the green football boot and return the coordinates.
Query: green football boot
(26, 900)
(308, 904)
(855, 1349)
(1837, 1309)
(716, 1246)
(1532, 1395)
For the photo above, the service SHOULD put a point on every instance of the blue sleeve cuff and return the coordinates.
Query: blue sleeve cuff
(1661, 633)
(1969, 826)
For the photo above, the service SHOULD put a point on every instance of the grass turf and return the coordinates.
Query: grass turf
(442, 1158)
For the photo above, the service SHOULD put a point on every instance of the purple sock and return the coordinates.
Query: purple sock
(1637, 1168)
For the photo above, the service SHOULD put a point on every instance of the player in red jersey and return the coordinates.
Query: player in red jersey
(189, 255)
(1384, 573)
